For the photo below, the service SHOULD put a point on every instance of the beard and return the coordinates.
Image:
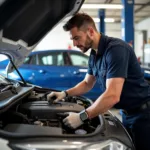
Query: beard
(88, 45)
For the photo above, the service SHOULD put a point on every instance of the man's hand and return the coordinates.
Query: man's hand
(59, 96)
(73, 120)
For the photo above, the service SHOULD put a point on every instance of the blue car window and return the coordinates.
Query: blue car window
(47, 60)
(67, 60)
(30, 60)
(27, 60)
(53, 58)
(79, 60)
(33, 60)
(60, 61)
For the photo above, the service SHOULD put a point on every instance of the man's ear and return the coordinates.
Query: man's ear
(90, 31)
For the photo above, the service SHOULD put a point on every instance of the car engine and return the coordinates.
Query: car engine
(34, 114)
(26, 115)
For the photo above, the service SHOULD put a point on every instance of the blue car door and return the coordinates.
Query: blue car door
(79, 70)
(49, 71)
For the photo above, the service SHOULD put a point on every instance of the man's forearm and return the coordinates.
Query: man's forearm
(79, 89)
(102, 104)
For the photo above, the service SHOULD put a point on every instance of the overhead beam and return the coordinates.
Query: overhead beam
(108, 1)
(118, 16)
(143, 6)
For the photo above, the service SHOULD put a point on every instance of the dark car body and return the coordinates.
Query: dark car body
(27, 120)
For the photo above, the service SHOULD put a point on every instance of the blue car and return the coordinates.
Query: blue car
(56, 69)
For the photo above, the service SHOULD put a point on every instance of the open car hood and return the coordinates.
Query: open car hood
(24, 24)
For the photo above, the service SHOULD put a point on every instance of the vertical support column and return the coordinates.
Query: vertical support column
(101, 13)
(144, 32)
(128, 21)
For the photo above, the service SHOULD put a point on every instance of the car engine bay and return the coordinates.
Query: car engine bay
(26, 114)
(33, 114)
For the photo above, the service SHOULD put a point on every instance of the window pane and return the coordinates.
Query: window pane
(27, 60)
(60, 60)
(33, 60)
(55, 59)
(79, 60)
(47, 60)
(30, 60)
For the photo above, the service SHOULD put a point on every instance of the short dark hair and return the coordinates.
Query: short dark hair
(79, 20)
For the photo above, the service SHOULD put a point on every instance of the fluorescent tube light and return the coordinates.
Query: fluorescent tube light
(102, 6)
(109, 20)
(106, 20)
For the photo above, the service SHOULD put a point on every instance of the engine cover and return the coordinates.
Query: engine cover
(44, 110)
(27, 129)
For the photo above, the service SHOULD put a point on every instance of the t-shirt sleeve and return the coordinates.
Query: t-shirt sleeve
(90, 71)
(117, 60)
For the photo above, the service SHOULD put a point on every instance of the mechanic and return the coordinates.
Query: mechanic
(113, 64)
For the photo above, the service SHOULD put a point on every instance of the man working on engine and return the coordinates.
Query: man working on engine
(113, 64)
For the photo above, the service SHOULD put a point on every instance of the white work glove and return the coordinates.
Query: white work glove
(59, 96)
(73, 120)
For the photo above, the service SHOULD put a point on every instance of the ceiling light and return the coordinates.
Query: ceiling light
(109, 20)
(106, 20)
(102, 6)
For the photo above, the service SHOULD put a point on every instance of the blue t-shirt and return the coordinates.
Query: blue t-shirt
(115, 58)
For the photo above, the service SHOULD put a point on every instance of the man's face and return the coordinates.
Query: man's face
(81, 39)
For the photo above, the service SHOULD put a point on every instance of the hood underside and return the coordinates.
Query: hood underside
(24, 23)
(30, 20)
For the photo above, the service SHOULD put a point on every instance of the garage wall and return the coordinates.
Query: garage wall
(143, 25)
(113, 29)
(56, 39)
(138, 46)
(59, 39)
